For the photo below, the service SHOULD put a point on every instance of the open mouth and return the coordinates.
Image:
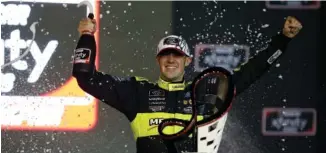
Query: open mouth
(170, 67)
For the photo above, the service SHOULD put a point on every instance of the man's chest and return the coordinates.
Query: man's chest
(160, 100)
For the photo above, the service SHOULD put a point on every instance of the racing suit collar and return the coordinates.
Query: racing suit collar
(170, 86)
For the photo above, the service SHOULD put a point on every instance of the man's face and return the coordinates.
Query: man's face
(172, 65)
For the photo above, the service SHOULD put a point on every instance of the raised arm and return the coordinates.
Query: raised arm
(111, 90)
(252, 70)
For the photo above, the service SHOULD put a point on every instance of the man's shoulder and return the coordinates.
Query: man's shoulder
(137, 79)
(142, 80)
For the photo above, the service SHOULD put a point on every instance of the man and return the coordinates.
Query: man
(146, 104)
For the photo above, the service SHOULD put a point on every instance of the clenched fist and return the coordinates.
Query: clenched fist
(87, 26)
(291, 27)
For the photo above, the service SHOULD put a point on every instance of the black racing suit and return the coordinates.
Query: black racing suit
(145, 104)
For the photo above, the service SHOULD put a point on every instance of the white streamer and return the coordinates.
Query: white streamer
(33, 30)
(88, 4)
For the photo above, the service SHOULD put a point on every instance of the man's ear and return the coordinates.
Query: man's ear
(188, 61)
(157, 60)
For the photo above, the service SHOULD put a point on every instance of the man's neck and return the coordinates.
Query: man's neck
(177, 80)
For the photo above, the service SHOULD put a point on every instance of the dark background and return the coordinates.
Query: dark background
(128, 39)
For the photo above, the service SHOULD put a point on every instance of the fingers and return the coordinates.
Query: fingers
(289, 19)
(86, 21)
(291, 27)
(87, 26)
(93, 21)
(293, 22)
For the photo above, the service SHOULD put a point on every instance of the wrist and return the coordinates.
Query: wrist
(87, 32)
(280, 41)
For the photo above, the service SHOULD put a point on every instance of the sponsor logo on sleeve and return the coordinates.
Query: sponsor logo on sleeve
(274, 57)
(82, 55)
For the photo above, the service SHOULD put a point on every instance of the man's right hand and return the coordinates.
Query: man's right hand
(87, 26)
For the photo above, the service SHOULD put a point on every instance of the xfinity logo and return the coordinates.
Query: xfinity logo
(289, 121)
(311, 4)
(227, 56)
(14, 17)
(289, 124)
(82, 55)
(35, 59)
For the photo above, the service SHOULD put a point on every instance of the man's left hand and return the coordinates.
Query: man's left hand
(291, 27)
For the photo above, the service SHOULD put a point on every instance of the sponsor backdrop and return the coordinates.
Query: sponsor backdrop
(40, 83)
(291, 83)
(43, 110)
